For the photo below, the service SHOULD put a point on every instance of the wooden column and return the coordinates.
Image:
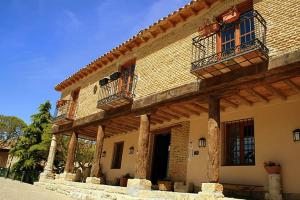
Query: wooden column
(213, 165)
(95, 172)
(143, 148)
(51, 155)
(71, 153)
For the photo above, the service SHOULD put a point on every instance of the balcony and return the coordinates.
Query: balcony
(234, 46)
(116, 91)
(65, 112)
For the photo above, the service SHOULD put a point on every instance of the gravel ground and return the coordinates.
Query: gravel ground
(15, 190)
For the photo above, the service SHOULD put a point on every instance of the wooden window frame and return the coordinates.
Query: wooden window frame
(242, 8)
(227, 160)
(128, 64)
(115, 165)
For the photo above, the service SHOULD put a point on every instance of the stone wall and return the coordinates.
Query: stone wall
(177, 170)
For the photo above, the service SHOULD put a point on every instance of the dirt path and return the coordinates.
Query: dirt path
(15, 190)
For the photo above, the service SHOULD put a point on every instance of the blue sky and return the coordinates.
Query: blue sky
(44, 41)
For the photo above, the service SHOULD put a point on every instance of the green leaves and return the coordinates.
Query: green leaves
(32, 147)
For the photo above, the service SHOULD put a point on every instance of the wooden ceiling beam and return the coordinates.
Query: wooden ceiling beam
(229, 103)
(156, 120)
(160, 116)
(244, 99)
(258, 95)
(292, 85)
(182, 17)
(191, 109)
(274, 91)
(168, 114)
(175, 110)
(198, 106)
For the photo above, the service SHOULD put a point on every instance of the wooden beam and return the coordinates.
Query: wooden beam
(142, 163)
(198, 106)
(71, 152)
(182, 17)
(230, 103)
(274, 91)
(258, 95)
(156, 120)
(193, 10)
(175, 110)
(168, 114)
(190, 110)
(160, 116)
(173, 24)
(96, 170)
(292, 85)
(245, 100)
(161, 28)
(213, 140)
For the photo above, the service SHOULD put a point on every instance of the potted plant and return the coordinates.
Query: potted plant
(272, 168)
(165, 184)
(124, 179)
(232, 15)
(208, 28)
(60, 103)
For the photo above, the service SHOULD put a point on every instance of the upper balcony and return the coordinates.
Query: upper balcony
(116, 90)
(65, 112)
(230, 46)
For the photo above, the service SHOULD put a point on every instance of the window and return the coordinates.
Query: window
(239, 142)
(117, 156)
(127, 74)
(237, 34)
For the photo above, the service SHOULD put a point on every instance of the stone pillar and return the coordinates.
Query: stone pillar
(48, 170)
(142, 164)
(274, 187)
(96, 171)
(68, 175)
(213, 188)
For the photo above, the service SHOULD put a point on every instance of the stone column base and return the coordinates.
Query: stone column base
(94, 180)
(135, 185)
(47, 175)
(211, 191)
(67, 176)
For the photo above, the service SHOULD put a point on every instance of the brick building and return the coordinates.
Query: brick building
(207, 94)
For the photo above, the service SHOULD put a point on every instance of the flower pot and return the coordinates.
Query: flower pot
(273, 169)
(165, 185)
(60, 103)
(123, 182)
(231, 16)
(208, 29)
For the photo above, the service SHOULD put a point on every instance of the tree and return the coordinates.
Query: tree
(10, 129)
(33, 146)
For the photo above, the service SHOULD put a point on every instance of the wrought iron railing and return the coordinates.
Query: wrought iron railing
(115, 88)
(206, 52)
(65, 109)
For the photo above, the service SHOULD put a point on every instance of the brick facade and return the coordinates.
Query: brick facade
(178, 157)
(164, 62)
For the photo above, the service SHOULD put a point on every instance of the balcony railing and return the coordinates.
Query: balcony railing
(211, 57)
(116, 91)
(65, 111)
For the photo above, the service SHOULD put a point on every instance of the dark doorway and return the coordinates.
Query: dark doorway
(160, 157)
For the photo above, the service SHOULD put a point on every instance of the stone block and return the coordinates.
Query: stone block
(94, 180)
(135, 185)
(211, 191)
(67, 176)
(46, 175)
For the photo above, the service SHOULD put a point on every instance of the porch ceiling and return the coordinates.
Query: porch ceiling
(242, 95)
